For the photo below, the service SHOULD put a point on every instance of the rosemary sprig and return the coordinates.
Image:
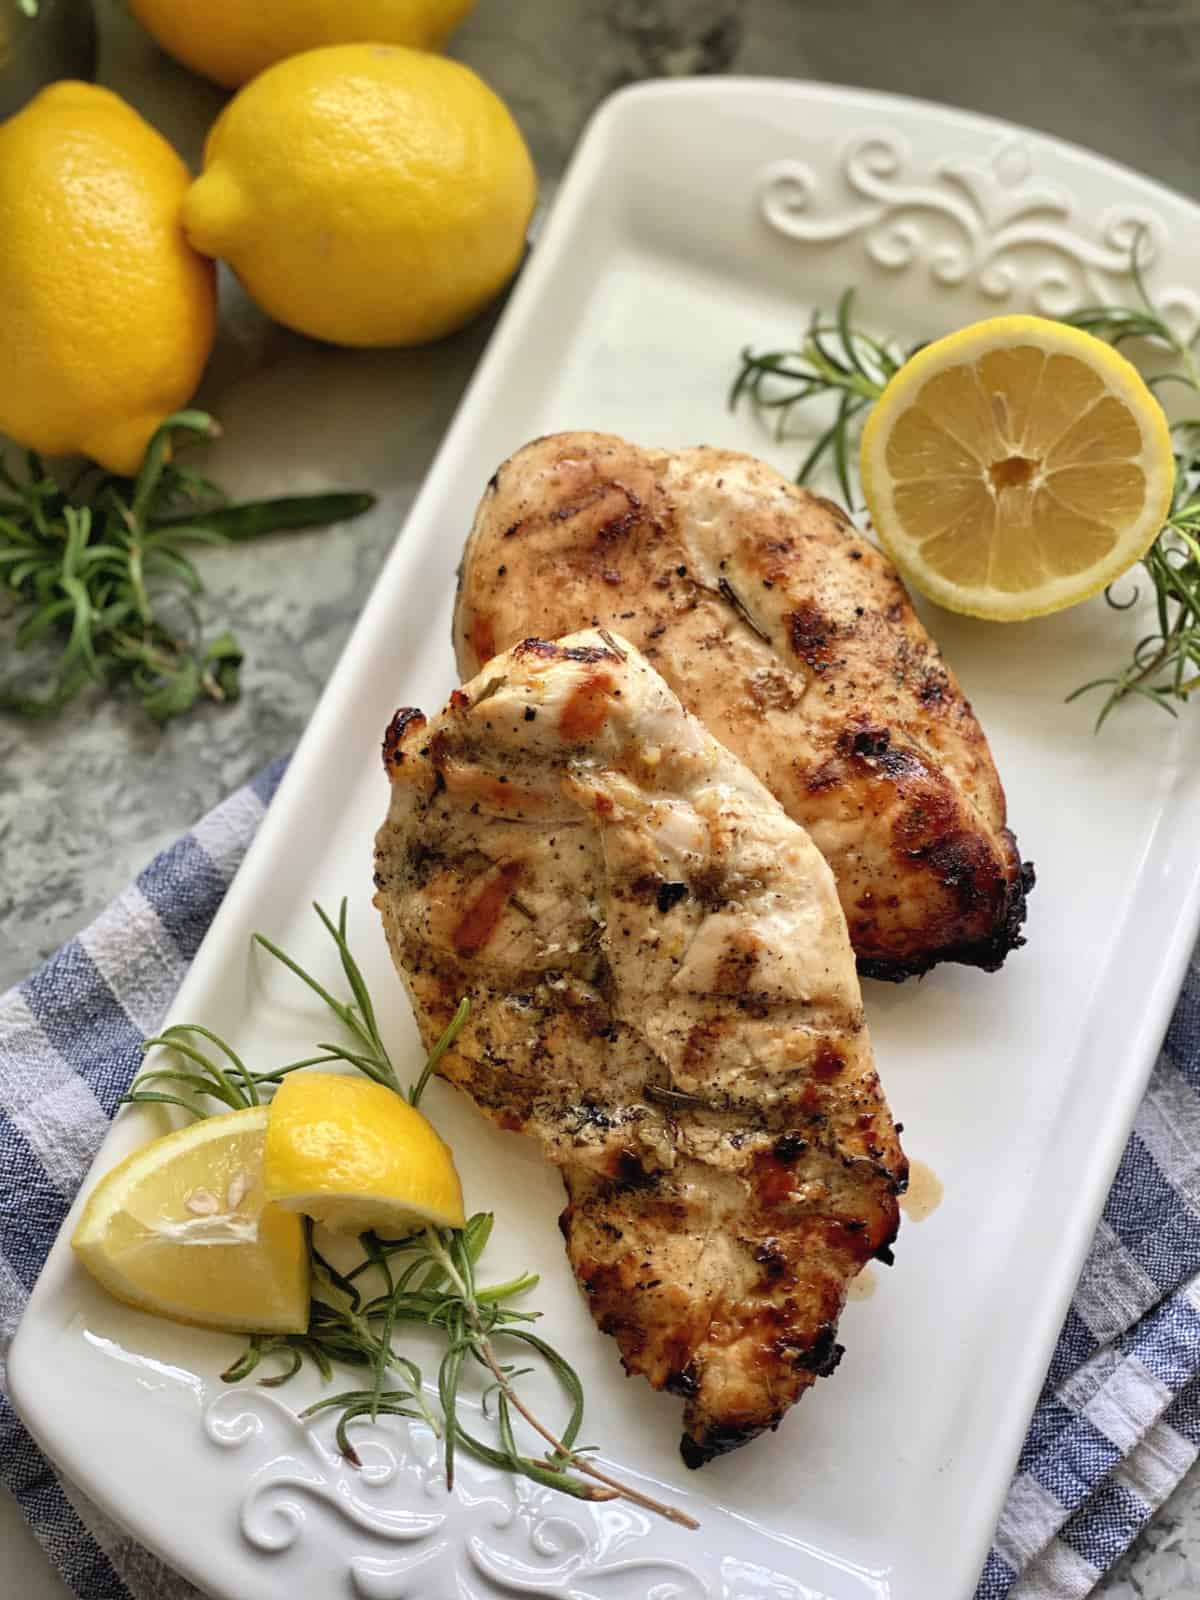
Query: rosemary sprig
(98, 576)
(1165, 663)
(835, 359)
(1119, 324)
(356, 1015)
(427, 1279)
(201, 1073)
(839, 362)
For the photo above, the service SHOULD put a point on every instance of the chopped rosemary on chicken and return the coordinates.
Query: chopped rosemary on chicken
(428, 1278)
(837, 362)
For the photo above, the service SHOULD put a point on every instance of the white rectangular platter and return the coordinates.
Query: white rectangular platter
(697, 218)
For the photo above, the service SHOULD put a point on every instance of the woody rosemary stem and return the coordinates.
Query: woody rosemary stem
(614, 1487)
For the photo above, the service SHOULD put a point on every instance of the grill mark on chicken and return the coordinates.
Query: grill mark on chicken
(482, 916)
(817, 672)
(583, 715)
(811, 634)
(483, 639)
(673, 1014)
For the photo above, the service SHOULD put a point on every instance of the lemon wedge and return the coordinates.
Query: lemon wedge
(180, 1228)
(1016, 467)
(353, 1155)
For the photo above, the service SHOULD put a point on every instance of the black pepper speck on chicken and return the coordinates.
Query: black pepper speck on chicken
(792, 637)
(663, 995)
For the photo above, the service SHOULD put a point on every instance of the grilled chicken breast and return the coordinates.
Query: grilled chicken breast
(780, 626)
(664, 996)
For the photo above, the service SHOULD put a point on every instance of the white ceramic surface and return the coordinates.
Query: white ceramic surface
(695, 218)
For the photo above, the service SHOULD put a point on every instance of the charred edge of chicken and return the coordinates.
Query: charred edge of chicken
(989, 954)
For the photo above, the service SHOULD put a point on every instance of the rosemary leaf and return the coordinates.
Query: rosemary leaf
(731, 597)
(439, 1050)
(285, 514)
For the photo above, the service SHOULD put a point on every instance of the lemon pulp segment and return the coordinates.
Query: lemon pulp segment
(182, 1228)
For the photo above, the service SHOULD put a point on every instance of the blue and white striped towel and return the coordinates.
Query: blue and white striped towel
(1118, 1423)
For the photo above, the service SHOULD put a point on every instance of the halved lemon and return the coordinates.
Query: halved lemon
(181, 1228)
(353, 1155)
(1016, 467)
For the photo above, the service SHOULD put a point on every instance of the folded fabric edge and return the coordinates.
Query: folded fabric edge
(56, 1098)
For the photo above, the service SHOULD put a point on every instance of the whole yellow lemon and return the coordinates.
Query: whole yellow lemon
(106, 312)
(232, 41)
(365, 194)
